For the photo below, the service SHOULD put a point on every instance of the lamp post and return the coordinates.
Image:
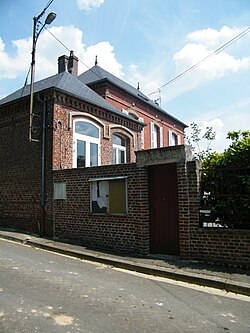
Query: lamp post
(36, 32)
(37, 29)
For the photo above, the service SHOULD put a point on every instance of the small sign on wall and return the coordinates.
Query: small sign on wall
(60, 191)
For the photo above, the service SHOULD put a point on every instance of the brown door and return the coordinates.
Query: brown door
(164, 209)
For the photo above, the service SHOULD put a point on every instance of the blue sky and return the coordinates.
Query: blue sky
(146, 41)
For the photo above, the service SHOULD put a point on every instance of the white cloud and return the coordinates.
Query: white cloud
(229, 118)
(88, 4)
(202, 44)
(105, 57)
(148, 80)
(213, 38)
(215, 67)
(49, 49)
(11, 67)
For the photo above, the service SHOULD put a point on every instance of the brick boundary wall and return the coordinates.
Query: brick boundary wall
(214, 245)
(20, 165)
(74, 221)
(183, 206)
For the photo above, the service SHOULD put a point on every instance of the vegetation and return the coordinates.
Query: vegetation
(225, 182)
(196, 139)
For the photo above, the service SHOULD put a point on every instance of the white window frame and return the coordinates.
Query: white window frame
(118, 148)
(142, 134)
(172, 142)
(179, 139)
(153, 135)
(161, 137)
(88, 140)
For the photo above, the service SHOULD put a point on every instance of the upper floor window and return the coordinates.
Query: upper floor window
(119, 149)
(154, 135)
(86, 144)
(142, 134)
(174, 139)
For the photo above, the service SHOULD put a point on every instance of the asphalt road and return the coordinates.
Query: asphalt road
(49, 293)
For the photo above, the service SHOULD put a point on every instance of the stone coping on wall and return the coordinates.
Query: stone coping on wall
(165, 155)
(223, 230)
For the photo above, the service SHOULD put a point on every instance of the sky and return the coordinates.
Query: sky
(145, 41)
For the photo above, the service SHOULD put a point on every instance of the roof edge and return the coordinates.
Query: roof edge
(158, 108)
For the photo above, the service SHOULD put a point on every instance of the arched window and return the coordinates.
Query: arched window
(119, 149)
(156, 134)
(86, 144)
(174, 139)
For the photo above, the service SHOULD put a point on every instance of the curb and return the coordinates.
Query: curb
(188, 277)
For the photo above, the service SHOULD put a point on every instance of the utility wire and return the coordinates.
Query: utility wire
(40, 15)
(48, 4)
(70, 50)
(25, 82)
(221, 48)
(44, 10)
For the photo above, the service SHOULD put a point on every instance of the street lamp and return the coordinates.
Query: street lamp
(37, 29)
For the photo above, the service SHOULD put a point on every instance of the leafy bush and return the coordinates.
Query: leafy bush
(226, 180)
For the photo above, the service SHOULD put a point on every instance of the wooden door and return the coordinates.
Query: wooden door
(163, 200)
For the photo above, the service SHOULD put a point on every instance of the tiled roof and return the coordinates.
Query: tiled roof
(97, 74)
(69, 84)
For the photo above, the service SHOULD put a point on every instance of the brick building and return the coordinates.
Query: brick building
(77, 121)
(103, 169)
(162, 129)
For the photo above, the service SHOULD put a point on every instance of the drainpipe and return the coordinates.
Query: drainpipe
(41, 224)
(59, 123)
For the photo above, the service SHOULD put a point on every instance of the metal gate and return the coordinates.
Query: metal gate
(163, 200)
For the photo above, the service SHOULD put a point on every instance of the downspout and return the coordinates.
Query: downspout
(41, 225)
(59, 123)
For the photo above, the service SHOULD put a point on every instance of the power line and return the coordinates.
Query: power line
(70, 50)
(221, 48)
(39, 16)
(48, 4)
(26, 81)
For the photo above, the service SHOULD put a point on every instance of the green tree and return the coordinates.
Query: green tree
(226, 177)
(196, 139)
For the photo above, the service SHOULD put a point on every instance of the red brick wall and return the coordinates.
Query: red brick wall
(122, 100)
(20, 165)
(20, 193)
(222, 246)
(63, 133)
(20, 160)
(73, 219)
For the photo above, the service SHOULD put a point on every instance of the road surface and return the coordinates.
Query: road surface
(50, 293)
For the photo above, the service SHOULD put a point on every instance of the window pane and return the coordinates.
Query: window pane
(93, 154)
(155, 136)
(121, 156)
(114, 156)
(81, 154)
(174, 139)
(117, 197)
(99, 196)
(118, 140)
(85, 128)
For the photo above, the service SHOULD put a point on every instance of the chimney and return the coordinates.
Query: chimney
(63, 63)
(73, 64)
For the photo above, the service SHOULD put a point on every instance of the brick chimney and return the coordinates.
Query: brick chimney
(63, 63)
(73, 64)
(69, 64)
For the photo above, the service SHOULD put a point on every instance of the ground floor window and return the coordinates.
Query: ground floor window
(119, 154)
(86, 144)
